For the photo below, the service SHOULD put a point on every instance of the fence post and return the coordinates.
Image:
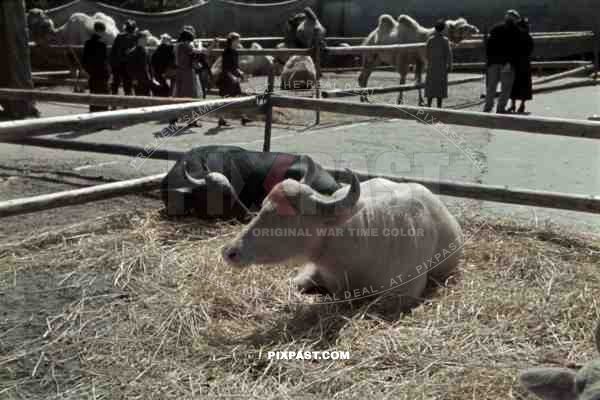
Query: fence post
(317, 55)
(269, 109)
(596, 50)
(484, 72)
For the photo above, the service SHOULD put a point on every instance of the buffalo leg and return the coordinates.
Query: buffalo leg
(309, 281)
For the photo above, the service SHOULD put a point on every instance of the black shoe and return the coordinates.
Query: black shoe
(245, 120)
(521, 109)
(222, 122)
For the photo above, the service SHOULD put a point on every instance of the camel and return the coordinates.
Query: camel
(302, 30)
(406, 30)
(151, 41)
(258, 65)
(75, 31)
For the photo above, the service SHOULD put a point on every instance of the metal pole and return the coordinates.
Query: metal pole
(269, 110)
(596, 51)
(317, 50)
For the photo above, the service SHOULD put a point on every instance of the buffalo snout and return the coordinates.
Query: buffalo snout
(232, 255)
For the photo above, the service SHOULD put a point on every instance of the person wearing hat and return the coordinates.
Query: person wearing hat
(122, 45)
(187, 83)
(95, 63)
(502, 56)
(138, 66)
(523, 86)
(162, 63)
(439, 56)
(229, 81)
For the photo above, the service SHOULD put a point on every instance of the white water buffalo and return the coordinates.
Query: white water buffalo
(563, 383)
(364, 239)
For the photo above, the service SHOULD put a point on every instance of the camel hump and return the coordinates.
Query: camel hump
(386, 22)
(408, 22)
(460, 22)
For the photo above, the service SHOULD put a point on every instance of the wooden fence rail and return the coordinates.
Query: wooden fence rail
(94, 99)
(500, 194)
(14, 130)
(475, 66)
(79, 196)
(439, 117)
(470, 43)
(390, 89)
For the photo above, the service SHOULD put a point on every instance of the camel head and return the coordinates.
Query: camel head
(460, 29)
(41, 26)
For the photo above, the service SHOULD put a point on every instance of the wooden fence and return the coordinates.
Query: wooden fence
(22, 132)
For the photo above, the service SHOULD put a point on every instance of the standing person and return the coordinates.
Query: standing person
(203, 70)
(439, 63)
(187, 83)
(95, 63)
(138, 67)
(123, 43)
(501, 58)
(163, 62)
(522, 87)
(229, 82)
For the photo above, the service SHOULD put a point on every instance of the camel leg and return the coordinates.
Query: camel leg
(365, 73)
(403, 71)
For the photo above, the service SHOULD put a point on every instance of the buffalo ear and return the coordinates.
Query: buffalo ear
(550, 383)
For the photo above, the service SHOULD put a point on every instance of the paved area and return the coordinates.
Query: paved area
(399, 147)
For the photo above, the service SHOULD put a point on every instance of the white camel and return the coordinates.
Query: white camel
(75, 31)
(406, 30)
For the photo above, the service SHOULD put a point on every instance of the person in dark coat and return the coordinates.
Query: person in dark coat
(522, 86)
(502, 55)
(138, 67)
(229, 82)
(439, 63)
(163, 65)
(123, 43)
(95, 63)
(202, 68)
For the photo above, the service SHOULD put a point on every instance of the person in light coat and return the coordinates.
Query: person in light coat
(187, 83)
(439, 63)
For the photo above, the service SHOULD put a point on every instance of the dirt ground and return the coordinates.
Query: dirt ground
(131, 304)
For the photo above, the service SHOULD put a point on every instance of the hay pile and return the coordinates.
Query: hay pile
(137, 306)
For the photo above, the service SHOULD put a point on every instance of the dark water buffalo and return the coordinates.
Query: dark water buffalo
(230, 182)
